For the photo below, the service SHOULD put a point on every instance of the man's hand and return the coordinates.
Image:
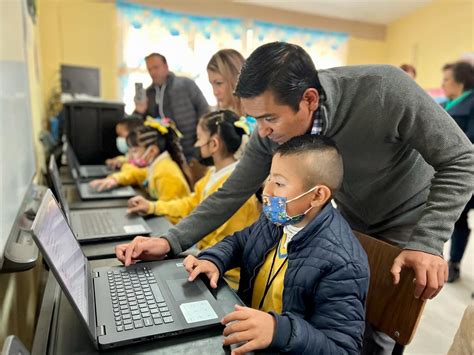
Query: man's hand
(141, 106)
(254, 327)
(104, 184)
(195, 267)
(431, 272)
(142, 248)
(138, 204)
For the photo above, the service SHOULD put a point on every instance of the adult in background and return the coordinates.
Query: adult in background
(409, 69)
(223, 71)
(175, 97)
(458, 86)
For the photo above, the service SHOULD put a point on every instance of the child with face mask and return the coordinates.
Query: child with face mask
(304, 275)
(156, 163)
(122, 129)
(219, 136)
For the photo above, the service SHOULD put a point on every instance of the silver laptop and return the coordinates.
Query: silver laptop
(86, 191)
(119, 305)
(97, 224)
(86, 172)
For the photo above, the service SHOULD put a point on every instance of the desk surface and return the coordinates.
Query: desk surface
(59, 330)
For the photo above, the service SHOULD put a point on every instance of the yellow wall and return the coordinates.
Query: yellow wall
(78, 32)
(366, 51)
(432, 36)
(84, 32)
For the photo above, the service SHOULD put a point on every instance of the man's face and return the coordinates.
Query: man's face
(157, 69)
(279, 122)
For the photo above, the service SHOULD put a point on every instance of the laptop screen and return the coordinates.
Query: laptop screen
(72, 161)
(62, 251)
(57, 184)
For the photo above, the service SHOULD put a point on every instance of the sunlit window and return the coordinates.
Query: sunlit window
(188, 42)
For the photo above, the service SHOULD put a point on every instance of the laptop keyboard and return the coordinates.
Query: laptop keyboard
(137, 300)
(98, 223)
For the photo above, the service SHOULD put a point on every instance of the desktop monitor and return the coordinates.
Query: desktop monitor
(80, 80)
(90, 129)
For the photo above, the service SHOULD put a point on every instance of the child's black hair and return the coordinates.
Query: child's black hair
(328, 169)
(131, 122)
(222, 123)
(145, 136)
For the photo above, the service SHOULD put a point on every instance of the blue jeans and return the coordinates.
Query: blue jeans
(460, 235)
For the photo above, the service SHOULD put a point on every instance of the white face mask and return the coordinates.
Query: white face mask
(122, 146)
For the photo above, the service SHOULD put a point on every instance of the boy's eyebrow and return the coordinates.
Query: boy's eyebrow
(278, 175)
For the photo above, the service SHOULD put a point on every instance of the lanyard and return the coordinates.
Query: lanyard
(270, 278)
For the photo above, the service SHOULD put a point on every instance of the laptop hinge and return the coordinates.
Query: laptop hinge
(96, 274)
(101, 330)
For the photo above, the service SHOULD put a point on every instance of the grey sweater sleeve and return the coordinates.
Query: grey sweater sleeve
(248, 176)
(197, 98)
(443, 145)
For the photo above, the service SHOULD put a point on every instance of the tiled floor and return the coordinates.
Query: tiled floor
(442, 315)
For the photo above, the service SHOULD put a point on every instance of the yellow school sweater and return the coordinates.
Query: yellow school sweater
(180, 208)
(270, 278)
(163, 179)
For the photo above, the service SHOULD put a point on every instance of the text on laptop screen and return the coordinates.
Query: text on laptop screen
(63, 252)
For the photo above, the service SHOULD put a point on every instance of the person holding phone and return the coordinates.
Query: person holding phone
(174, 97)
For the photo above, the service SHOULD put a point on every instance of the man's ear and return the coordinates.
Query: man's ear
(311, 99)
(320, 196)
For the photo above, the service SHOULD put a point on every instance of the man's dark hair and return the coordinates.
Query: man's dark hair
(161, 56)
(325, 165)
(463, 73)
(283, 68)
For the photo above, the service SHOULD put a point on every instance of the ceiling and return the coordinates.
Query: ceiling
(373, 11)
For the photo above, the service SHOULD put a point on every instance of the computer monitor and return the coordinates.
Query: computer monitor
(80, 80)
(90, 129)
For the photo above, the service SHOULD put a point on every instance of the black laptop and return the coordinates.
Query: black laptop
(97, 224)
(86, 172)
(87, 192)
(118, 305)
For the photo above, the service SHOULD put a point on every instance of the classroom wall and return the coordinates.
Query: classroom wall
(84, 32)
(432, 36)
(79, 32)
(20, 291)
(366, 51)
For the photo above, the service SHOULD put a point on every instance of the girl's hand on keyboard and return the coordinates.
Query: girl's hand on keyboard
(104, 184)
(139, 205)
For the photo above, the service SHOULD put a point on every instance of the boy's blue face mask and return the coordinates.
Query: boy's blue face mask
(274, 208)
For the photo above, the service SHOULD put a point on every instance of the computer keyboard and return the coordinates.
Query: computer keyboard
(98, 223)
(137, 300)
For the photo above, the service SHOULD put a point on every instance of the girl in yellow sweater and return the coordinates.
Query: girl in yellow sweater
(219, 135)
(155, 163)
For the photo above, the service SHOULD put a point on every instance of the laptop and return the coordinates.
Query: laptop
(119, 305)
(86, 171)
(86, 191)
(97, 224)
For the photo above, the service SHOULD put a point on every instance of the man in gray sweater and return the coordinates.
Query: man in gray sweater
(409, 169)
(175, 97)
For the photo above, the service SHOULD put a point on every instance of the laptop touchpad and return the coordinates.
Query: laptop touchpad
(183, 290)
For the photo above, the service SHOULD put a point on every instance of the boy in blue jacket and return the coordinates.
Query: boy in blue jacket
(304, 275)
